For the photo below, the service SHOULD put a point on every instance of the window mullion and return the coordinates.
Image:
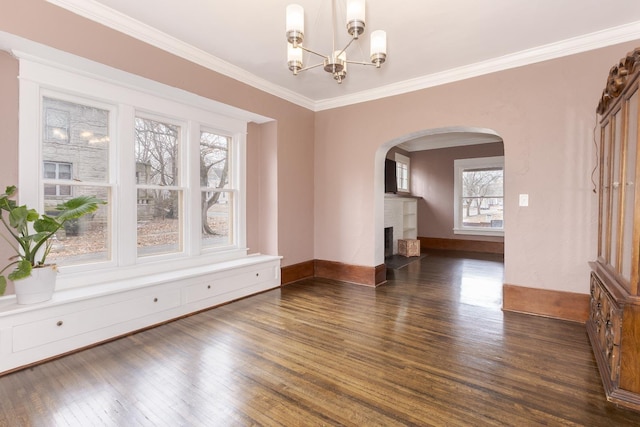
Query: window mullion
(192, 189)
(126, 200)
(29, 150)
(239, 158)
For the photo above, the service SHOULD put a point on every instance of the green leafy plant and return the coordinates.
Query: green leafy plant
(30, 233)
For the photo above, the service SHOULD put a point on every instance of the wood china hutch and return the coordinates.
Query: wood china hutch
(614, 318)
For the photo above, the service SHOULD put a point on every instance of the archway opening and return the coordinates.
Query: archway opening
(435, 193)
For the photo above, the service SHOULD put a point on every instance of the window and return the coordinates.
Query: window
(479, 196)
(402, 172)
(57, 171)
(170, 168)
(85, 154)
(158, 169)
(217, 190)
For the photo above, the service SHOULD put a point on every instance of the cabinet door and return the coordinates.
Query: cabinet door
(605, 184)
(629, 237)
(616, 190)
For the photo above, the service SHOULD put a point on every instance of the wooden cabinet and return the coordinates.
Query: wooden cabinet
(614, 319)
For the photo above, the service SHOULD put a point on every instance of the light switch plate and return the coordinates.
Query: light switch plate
(524, 200)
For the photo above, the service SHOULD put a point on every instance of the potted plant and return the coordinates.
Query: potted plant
(29, 234)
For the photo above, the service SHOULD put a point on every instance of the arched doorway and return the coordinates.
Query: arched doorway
(465, 138)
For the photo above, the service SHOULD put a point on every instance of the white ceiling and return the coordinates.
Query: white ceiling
(447, 137)
(430, 42)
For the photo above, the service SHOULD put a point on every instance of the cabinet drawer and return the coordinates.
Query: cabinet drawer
(74, 323)
(218, 286)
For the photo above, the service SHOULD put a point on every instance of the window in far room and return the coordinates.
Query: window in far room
(402, 172)
(479, 196)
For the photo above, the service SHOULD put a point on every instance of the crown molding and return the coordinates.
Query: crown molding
(111, 18)
(599, 39)
(95, 11)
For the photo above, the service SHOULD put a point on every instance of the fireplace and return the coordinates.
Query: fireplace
(388, 241)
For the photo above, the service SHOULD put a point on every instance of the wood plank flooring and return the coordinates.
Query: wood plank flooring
(429, 348)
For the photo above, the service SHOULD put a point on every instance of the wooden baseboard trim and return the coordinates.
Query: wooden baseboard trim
(547, 303)
(462, 245)
(358, 274)
(295, 272)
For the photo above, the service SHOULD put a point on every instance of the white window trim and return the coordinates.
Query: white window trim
(459, 166)
(109, 86)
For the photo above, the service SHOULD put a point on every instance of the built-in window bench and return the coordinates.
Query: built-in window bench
(80, 317)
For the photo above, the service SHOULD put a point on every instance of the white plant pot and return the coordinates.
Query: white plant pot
(38, 287)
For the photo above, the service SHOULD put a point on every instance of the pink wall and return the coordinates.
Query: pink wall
(545, 114)
(8, 136)
(432, 178)
(329, 174)
(291, 202)
(268, 190)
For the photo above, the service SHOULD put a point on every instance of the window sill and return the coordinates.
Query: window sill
(478, 232)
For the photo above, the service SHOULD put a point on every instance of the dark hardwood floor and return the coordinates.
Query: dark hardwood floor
(431, 347)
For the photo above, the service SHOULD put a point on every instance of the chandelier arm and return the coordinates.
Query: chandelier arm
(360, 63)
(346, 47)
(311, 51)
(310, 67)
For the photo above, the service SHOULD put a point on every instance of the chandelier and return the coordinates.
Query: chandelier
(336, 62)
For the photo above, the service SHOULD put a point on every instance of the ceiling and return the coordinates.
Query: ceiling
(430, 42)
(447, 137)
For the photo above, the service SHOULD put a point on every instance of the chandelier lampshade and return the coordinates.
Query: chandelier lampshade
(294, 58)
(378, 47)
(355, 17)
(335, 62)
(295, 24)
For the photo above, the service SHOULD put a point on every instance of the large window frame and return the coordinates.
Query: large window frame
(127, 96)
(460, 166)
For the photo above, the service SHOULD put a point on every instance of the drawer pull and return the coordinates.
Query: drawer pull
(59, 323)
(257, 274)
(155, 300)
(208, 286)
